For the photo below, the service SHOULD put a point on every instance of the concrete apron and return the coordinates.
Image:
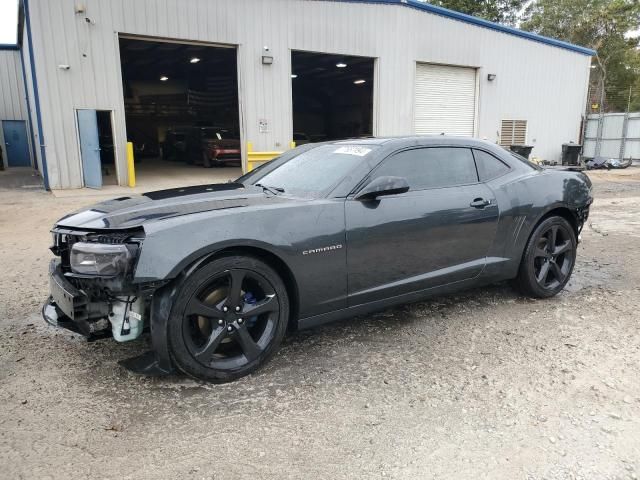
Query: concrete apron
(157, 176)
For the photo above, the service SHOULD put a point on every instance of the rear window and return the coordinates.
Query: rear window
(489, 167)
(525, 161)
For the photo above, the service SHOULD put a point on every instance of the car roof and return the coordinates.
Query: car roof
(400, 142)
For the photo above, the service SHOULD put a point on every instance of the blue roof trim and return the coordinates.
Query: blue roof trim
(480, 22)
(8, 46)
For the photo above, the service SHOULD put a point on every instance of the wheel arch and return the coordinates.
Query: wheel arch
(560, 210)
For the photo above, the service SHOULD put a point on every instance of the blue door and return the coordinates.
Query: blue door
(90, 148)
(15, 142)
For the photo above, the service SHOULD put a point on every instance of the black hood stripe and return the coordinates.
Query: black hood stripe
(193, 190)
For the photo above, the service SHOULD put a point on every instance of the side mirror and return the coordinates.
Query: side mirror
(383, 186)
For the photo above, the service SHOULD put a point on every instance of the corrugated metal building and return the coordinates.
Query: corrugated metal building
(13, 110)
(434, 70)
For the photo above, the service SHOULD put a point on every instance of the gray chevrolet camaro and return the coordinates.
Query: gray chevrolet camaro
(218, 273)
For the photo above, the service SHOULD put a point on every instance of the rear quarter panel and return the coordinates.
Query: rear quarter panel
(523, 200)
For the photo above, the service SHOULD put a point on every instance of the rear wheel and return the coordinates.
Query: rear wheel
(228, 319)
(548, 259)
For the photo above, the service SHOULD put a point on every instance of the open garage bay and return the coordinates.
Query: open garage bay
(181, 104)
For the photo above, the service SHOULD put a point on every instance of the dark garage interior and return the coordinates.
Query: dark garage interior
(332, 96)
(181, 104)
(107, 157)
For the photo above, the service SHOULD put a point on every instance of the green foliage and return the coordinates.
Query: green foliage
(603, 25)
(501, 11)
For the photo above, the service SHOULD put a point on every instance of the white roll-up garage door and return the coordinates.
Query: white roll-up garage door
(445, 100)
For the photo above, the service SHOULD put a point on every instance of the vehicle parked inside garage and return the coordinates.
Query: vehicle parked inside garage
(220, 147)
(326, 231)
(175, 144)
(207, 146)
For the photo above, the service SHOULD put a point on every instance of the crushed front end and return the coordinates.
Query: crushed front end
(92, 291)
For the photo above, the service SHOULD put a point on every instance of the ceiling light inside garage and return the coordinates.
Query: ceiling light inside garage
(359, 82)
(163, 78)
(341, 65)
(293, 75)
(194, 60)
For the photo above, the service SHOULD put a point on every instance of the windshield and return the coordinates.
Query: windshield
(316, 171)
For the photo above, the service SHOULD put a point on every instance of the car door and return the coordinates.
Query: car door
(436, 233)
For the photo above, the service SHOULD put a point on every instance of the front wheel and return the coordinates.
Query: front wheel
(548, 260)
(228, 319)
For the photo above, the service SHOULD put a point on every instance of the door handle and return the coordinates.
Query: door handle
(479, 203)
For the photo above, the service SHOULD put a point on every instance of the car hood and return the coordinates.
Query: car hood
(136, 211)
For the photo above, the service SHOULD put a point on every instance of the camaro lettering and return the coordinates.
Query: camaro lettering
(323, 249)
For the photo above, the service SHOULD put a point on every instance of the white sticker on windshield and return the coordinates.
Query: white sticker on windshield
(353, 150)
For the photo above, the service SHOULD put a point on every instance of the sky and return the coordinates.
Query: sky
(8, 21)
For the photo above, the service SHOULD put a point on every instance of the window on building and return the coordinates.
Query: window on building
(489, 167)
(433, 167)
(513, 132)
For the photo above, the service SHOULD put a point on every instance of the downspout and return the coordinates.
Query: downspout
(36, 96)
(26, 94)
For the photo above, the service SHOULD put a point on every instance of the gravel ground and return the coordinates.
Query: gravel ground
(484, 384)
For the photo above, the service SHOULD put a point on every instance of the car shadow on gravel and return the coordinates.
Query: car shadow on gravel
(320, 349)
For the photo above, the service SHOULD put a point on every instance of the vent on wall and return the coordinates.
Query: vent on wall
(513, 132)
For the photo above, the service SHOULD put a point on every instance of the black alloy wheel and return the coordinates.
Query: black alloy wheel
(548, 259)
(553, 257)
(228, 319)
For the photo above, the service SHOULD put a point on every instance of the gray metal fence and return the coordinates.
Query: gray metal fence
(612, 135)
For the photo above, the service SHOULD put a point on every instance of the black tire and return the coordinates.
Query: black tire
(208, 338)
(548, 259)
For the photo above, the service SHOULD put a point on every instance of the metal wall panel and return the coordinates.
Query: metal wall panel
(613, 141)
(543, 84)
(12, 94)
(13, 105)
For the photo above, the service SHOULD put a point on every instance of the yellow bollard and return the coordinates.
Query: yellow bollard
(131, 169)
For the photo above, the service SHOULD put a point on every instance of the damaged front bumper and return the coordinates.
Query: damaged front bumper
(67, 307)
(71, 308)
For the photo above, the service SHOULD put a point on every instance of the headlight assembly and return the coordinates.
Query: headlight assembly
(101, 258)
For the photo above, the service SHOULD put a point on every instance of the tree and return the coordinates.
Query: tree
(501, 11)
(603, 25)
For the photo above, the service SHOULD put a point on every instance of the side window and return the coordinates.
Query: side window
(432, 167)
(489, 167)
